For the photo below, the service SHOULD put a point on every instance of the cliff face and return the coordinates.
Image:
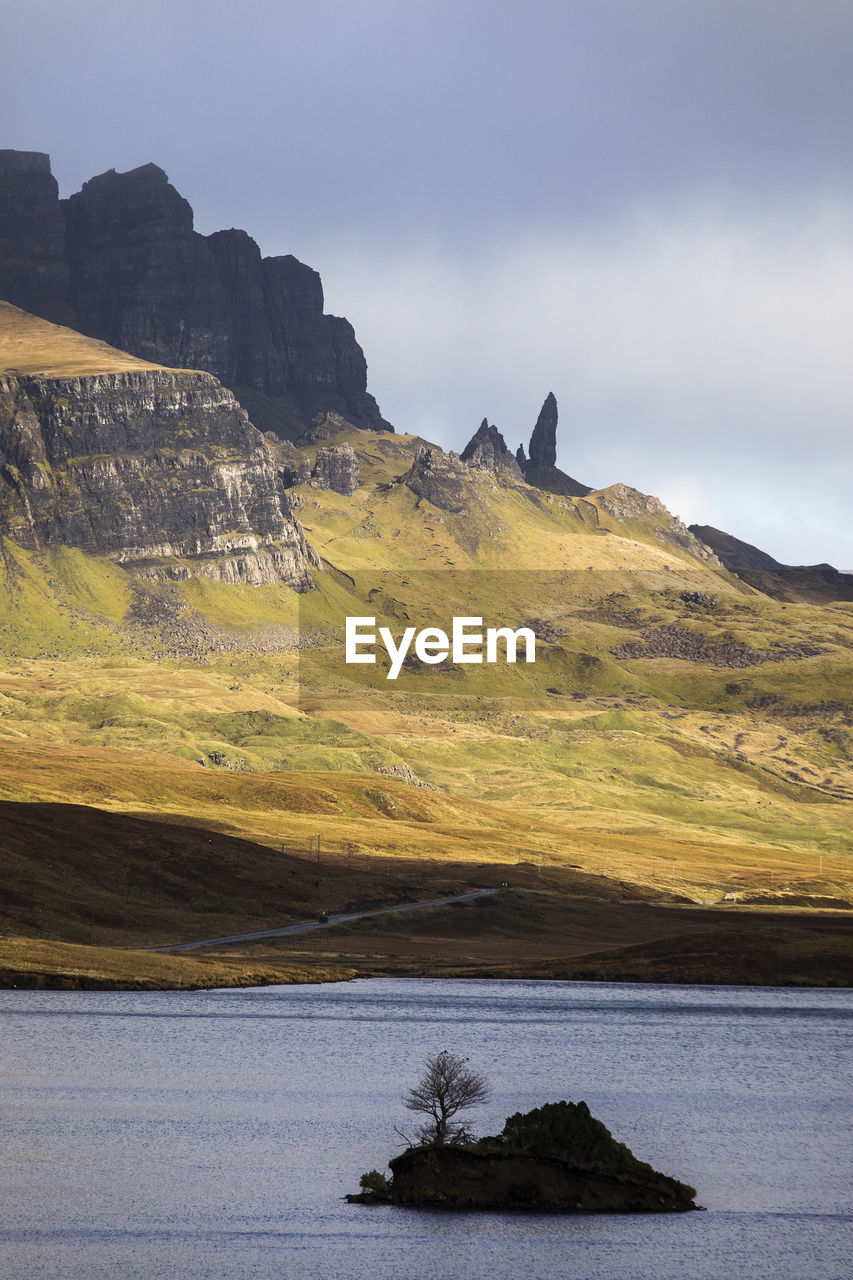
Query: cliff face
(120, 261)
(34, 272)
(336, 467)
(158, 469)
(142, 280)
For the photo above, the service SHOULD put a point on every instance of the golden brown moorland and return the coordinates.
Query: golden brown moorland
(680, 738)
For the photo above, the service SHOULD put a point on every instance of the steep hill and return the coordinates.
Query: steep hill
(171, 649)
(678, 731)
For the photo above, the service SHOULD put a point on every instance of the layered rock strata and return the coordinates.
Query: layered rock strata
(157, 469)
(335, 467)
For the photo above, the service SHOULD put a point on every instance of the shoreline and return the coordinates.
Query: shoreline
(775, 957)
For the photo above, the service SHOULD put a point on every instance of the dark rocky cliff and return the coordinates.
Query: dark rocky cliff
(33, 265)
(120, 261)
(159, 469)
(543, 441)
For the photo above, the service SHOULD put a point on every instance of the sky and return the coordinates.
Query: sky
(644, 206)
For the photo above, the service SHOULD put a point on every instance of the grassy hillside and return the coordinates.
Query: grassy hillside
(679, 733)
(111, 883)
(37, 963)
(32, 346)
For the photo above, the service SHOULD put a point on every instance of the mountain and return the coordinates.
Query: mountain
(680, 735)
(162, 471)
(487, 450)
(816, 582)
(175, 587)
(120, 261)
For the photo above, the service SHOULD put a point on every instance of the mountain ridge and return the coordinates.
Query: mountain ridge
(152, 666)
(119, 260)
(162, 470)
(817, 582)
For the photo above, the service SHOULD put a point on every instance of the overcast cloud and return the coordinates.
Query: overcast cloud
(645, 206)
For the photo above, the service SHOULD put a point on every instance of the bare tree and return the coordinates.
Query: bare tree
(447, 1087)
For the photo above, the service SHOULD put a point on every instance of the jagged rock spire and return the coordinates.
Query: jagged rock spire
(543, 442)
(487, 451)
(540, 468)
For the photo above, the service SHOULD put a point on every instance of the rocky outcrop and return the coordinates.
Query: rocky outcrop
(457, 482)
(335, 467)
(441, 479)
(673, 641)
(817, 583)
(295, 471)
(540, 468)
(160, 470)
(487, 451)
(120, 261)
(624, 503)
(405, 774)
(556, 1159)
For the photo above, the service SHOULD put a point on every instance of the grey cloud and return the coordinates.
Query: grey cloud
(456, 120)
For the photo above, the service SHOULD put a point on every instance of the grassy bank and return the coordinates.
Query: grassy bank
(37, 963)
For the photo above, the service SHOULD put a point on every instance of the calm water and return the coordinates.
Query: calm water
(212, 1135)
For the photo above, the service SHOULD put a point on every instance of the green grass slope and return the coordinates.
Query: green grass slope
(679, 731)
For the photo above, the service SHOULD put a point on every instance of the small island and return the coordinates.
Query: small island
(555, 1159)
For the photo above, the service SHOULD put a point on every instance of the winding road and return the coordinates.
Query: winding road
(315, 924)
